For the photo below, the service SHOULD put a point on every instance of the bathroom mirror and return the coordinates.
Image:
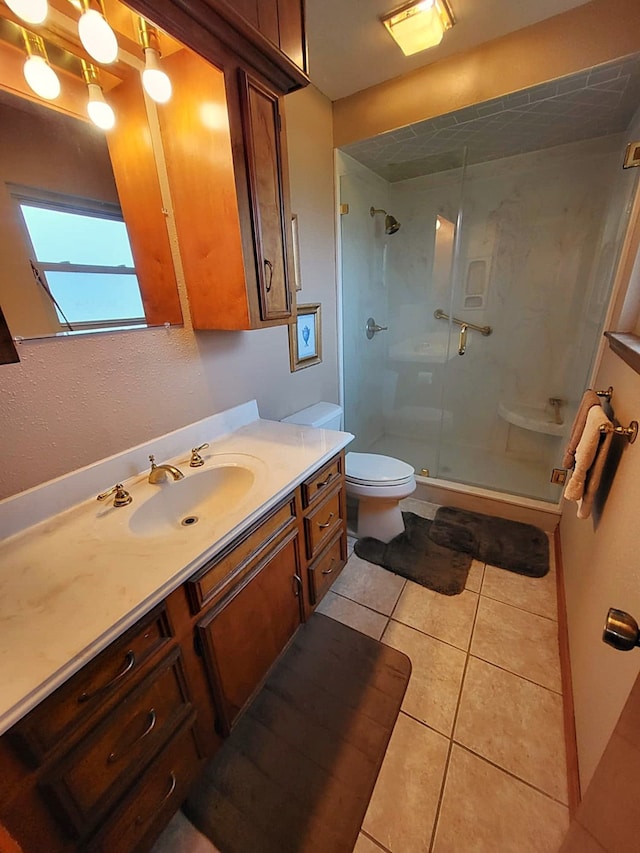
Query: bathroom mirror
(83, 234)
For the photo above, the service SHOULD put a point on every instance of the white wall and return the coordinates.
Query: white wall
(602, 570)
(72, 401)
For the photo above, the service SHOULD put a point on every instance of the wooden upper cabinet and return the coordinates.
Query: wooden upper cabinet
(261, 126)
(227, 177)
(268, 36)
(291, 27)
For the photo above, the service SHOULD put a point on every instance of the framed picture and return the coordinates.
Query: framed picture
(295, 243)
(305, 338)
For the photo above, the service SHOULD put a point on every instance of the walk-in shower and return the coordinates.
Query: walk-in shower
(489, 302)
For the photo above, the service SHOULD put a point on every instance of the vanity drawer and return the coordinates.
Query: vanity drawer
(316, 487)
(91, 777)
(322, 523)
(153, 800)
(207, 584)
(327, 567)
(97, 688)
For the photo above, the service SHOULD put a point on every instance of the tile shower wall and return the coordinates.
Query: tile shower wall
(532, 224)
(534, 262)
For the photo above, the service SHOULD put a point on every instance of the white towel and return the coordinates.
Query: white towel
(585, 455)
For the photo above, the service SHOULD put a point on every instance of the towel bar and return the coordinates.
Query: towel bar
(608, 393)
(631, 432)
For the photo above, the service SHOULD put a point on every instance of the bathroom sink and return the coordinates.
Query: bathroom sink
(202, 496)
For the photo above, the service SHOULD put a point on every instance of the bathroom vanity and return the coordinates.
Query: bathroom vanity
(109, 719)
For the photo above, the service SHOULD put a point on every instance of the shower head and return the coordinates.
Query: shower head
(391, 224)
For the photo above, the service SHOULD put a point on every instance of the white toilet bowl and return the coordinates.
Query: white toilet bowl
(379, 483)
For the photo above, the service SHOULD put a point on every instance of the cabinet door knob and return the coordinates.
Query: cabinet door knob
(620, 630)
(268, 266)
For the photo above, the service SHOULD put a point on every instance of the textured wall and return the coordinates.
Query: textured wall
(72, 401)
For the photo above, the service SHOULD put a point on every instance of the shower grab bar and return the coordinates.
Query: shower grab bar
(440, 315)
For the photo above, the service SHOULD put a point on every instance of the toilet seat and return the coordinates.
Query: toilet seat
(374, 470)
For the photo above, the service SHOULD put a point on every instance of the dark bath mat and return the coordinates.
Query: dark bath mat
(414, 555)
(511, 545)
(297, 773)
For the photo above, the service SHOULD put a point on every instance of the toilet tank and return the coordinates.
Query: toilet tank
(324, 415)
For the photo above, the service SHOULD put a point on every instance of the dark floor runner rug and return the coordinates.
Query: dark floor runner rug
(297, 773)
(511, 545)
(415, 555)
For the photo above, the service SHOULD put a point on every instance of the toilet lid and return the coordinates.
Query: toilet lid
(374, 468)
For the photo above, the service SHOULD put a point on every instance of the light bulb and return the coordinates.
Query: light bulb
(99, 110)
(155, 81)
(31, 11)
(41, 77)
(97, 37)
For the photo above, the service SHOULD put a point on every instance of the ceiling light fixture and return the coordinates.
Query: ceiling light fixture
(97, 37)
(98, 109)
(156, 82)
(31, 11)
(37, 72)
(419, 25)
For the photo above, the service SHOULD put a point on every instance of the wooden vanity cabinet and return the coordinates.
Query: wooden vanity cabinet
(85, 754)
(325, 514)
(102, 764)
(254, 610)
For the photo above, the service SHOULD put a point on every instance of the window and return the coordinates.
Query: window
(81, 256)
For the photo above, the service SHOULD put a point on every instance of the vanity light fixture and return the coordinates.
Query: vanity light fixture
(40, 76)
(419, 24)
(97, 37)
(156, 82)
(31, 11)
(99, 110)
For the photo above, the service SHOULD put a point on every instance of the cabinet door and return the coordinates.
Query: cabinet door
(244, 635)
(261, 126)
(291, 24)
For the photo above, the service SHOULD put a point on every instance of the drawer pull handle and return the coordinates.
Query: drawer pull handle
(327, 522)
(326, 482)
(172, 787)
(113, 756)
(130, 662)
(329, 571)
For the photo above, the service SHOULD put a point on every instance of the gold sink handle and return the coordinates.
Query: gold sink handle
(196, 460)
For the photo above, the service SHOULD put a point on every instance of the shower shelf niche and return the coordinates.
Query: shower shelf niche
(531, 418)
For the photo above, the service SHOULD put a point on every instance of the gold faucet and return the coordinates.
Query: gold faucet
(159, 472)
(121, 495)
(196, 460)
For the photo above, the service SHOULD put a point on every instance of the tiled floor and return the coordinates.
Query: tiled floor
(476, 761)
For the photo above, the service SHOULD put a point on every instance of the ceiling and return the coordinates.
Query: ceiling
(596, 102)
(350, 50)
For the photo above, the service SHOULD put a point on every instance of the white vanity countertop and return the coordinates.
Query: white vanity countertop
(75, 581)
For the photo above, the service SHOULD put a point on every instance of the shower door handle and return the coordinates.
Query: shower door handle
(372, 327)
(462, 343)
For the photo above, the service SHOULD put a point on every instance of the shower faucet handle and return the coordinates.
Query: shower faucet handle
(372, 327)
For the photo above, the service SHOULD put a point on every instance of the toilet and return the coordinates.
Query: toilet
(378, 482)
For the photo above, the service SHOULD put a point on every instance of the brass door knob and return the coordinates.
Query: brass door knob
(621, 630)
